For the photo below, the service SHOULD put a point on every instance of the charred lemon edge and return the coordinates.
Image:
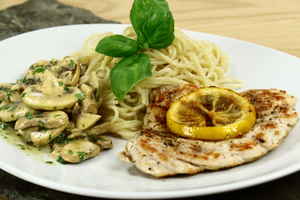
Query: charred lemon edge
(238, 128)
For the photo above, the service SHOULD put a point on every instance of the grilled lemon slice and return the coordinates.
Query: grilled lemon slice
(211, 114)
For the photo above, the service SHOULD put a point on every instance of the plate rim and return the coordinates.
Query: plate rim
(158, 194)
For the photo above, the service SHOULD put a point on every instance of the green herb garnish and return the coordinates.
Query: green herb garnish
(72, 64)
(49, 162)
(8, 91)
(28, 81)
(61, 160)
(3, 126)
(82, 155)
(61, 139)
(153, 23)
(23, 94)
(80, 96)
(29, 115)
(22, 146)
(5, 107)
(117, 46)
(128, 72)
(60, 83)
(41, 123)
(66, 89)
(53, 62)
(8, 107)
(12, 107)
(39, 69)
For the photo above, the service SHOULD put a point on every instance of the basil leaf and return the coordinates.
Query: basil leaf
(128, 72)
(153, 23)
(117, 46)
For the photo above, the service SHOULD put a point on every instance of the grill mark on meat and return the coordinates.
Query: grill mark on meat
(269, 126)
(160, 153)
(243, 146)
(260, 137)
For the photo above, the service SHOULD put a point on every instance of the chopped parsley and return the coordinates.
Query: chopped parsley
(61, 160)
(53, 62)
(23, 94)
(66, 89)
(12, 107)
(61, 139)
(5, 107)
(80, 96)
(39, 114)
(29, 115)
(8, 91)
(39, 69)
(22, 146)
(72, 64)
(82, 155)
(60, 83)
(28, 81)
(8, 107)
(41, 123)
(3, 125)
(49, 162)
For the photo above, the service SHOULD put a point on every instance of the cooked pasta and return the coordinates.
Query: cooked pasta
(185, 61)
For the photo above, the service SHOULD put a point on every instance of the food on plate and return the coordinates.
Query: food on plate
(169, 94)
(150, 54)
(52, 106)
(211, 114)
(159, 152)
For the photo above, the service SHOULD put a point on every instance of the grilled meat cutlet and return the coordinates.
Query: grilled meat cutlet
(159, 153)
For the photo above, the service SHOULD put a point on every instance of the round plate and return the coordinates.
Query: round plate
(106, 175)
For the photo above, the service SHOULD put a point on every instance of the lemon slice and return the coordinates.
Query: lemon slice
(211, 114)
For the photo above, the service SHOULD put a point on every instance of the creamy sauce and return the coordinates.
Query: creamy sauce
(41, 154)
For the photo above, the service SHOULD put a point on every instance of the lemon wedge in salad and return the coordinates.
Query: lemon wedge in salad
(211, 114)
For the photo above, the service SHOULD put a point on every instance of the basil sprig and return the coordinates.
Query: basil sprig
(117, 46)
(153, 23)
(128, 72)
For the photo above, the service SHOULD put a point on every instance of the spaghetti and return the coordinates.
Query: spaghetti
(185, 61)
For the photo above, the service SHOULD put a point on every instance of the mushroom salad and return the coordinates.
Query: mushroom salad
(57, 104)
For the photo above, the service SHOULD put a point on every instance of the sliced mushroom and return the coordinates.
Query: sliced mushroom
(89, 104)
(99, 129)
(49, 95)
(50, 120)
(67, 70)
(43, 128)
(43, 137)
(79, 150)
(56, 149)
(77, 133)
(71, 78)
(12, 111)
(26, 133)
(86, 120)
(10, 92)
(105, 142)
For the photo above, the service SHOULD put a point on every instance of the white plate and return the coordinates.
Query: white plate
(106, 175)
